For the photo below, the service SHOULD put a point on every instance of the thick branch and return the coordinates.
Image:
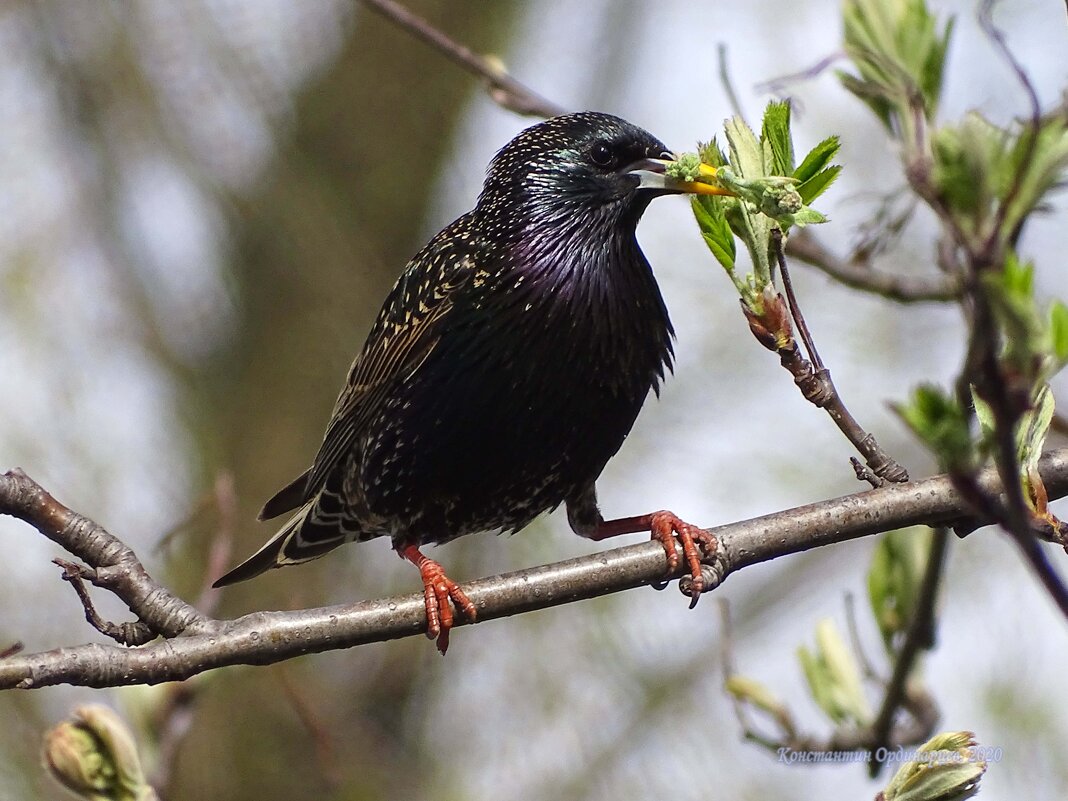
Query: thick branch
(268, 637)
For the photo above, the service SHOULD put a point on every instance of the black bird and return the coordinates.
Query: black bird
(505, 368)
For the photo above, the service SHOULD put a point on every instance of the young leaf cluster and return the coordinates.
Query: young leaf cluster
(899, 54)
(983, 181)
(831, 668)
(989, 178)
(1034, 348)
(945, 769)
(894, 580)
(834, 678)
(770, 193)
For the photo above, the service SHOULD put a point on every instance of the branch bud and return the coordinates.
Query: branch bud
(95, 756)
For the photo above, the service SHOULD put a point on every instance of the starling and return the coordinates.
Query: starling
(505, 369)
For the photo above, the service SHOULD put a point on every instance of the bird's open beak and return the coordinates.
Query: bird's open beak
(650, 173)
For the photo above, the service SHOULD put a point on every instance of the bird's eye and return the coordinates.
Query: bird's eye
(602, 155)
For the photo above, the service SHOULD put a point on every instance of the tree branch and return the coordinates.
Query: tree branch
(268, 637)
(814, 379)
(918, 637)
(859, 274)
(113, 564)
(505, 90)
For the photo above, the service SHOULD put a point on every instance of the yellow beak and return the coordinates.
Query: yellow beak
(651, 175)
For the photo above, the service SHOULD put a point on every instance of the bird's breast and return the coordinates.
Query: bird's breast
(536, 380)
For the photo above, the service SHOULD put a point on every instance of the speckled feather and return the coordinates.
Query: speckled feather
(507, 365)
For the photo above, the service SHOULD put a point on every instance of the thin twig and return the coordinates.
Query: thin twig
(174, 717)
(791, 298)
(776, 86)
(866, 664)
(726, 82)
(114, 565)
(11, 650)
(788, 737)
(1015, 514)
(918, 727)
(321, 735)
(918, 637)
(172, 723)
(860, 275)
(879, 232)
(505, 90)
(1034, 128)
(269, 637)
(823, 392)
(221, 544)
(865, 473)
(726, 647)
(130, 633)
(1017, 518)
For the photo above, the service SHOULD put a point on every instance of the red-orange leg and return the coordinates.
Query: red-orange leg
(667, 528)
(437, 590)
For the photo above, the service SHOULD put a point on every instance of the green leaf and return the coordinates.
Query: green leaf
(817, 184)
(872, 97)
(774, 196)
(817, 158)
(806, 216)
(818, 681)
(1030, 432)
(1019, 278)
(766, 196)
(775, 134)
(1010, 291)
(1058, 332)
(714, 229)
(1042, 169)
(989, 176)
(746, 155)
(898, 55)
(711, 154)
(942, 425)
(1033, 429)
(985, 415)
(849, 692)
(833, 677)
(753, 692)
(894, 580)
(754, 229)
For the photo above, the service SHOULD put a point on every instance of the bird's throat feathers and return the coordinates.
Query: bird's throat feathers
(602, 283)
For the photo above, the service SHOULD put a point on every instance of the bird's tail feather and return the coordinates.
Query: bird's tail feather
(304, 537)
(292, 495)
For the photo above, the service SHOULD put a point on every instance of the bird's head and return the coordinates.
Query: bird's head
(586, 163)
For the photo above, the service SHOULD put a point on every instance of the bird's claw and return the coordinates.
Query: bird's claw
(438, 590)
(667, 528)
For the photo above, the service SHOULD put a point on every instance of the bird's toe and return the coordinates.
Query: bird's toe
(667, 528)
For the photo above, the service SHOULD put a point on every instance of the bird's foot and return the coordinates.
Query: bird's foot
(438, 590)
(667, 528)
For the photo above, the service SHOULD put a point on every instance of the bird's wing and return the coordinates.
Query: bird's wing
(408, 329)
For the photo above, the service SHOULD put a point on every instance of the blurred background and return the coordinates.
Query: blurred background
(202, 206)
